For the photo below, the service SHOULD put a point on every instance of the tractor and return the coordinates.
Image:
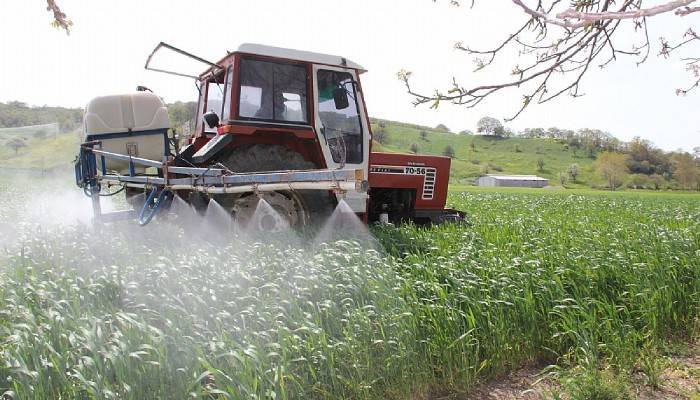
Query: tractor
(286, 126)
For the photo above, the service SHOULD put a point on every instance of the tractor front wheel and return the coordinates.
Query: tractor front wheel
(281, 210)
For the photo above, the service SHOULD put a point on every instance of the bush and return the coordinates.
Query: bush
(442, 127)
(639, 181)
(495, 167)
(540, 165)
(380, 136)
(657, 182)
(449, 151)
(40, 134)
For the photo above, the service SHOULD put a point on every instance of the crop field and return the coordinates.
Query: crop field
(592, 285)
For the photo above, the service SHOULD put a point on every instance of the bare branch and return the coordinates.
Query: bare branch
(687, 10)
(556, 62)
(60, 19)
(636, 14)
(574, 19)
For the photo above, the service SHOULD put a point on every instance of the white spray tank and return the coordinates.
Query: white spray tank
(133, 124)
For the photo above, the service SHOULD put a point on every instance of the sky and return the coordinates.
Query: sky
(111, 39)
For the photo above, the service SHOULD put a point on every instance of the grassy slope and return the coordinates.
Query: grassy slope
(52, 152)
(583, 191)
(41, 153)
(467, 164)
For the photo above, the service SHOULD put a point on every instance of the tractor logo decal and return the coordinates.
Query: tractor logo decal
(429, 175)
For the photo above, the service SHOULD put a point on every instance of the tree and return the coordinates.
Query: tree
(380, 136)
(466, 132)
(573, 171)
(442, 127)
(449, 151)
(612, 167)
(558, 42)
(424, 135)
(533, 133)
(685, 170)
(540, 164)
(657, 181)
(555, 133)
(16, 144)
(562, 178)
(67, 125)
(181, 114)
(414, 148)
(489, 126)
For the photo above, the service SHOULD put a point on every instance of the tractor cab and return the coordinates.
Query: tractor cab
(291, 101)
(265, 91)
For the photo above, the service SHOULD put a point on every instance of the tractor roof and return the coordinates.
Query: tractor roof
(301, 55)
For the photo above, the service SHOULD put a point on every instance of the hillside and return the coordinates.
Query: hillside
(47, 137)
(40, 152)
(489, 154)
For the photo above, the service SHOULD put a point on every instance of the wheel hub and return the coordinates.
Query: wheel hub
(269, 212)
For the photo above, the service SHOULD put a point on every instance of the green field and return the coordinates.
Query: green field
(503, 155)
(41, 153)
(594, 285)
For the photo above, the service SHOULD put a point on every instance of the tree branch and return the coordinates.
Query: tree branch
(60, 19)
(582, 19)
(590, 31)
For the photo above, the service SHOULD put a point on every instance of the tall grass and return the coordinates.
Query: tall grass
(582, 282)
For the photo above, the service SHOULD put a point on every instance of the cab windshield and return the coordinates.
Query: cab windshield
(271, 91)
(341, 125)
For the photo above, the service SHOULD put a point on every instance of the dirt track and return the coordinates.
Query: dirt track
(680, 380)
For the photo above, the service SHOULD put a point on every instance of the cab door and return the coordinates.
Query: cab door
(341, 124)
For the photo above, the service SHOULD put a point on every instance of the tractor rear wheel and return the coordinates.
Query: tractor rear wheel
(293, 209)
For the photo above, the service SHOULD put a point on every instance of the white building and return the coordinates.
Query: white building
(512, 181)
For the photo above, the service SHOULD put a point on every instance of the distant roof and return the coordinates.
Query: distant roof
(301, 55)
(518, 177)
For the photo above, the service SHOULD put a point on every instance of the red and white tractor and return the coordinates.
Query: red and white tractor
(286, 126)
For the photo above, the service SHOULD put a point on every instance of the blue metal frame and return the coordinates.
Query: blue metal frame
(87, 177)
(121, 135)
(86, 172)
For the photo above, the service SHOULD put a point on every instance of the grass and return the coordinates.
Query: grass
(467, 164)
(628, 193)
(40, 154)
(498, 153)
(587, 283)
